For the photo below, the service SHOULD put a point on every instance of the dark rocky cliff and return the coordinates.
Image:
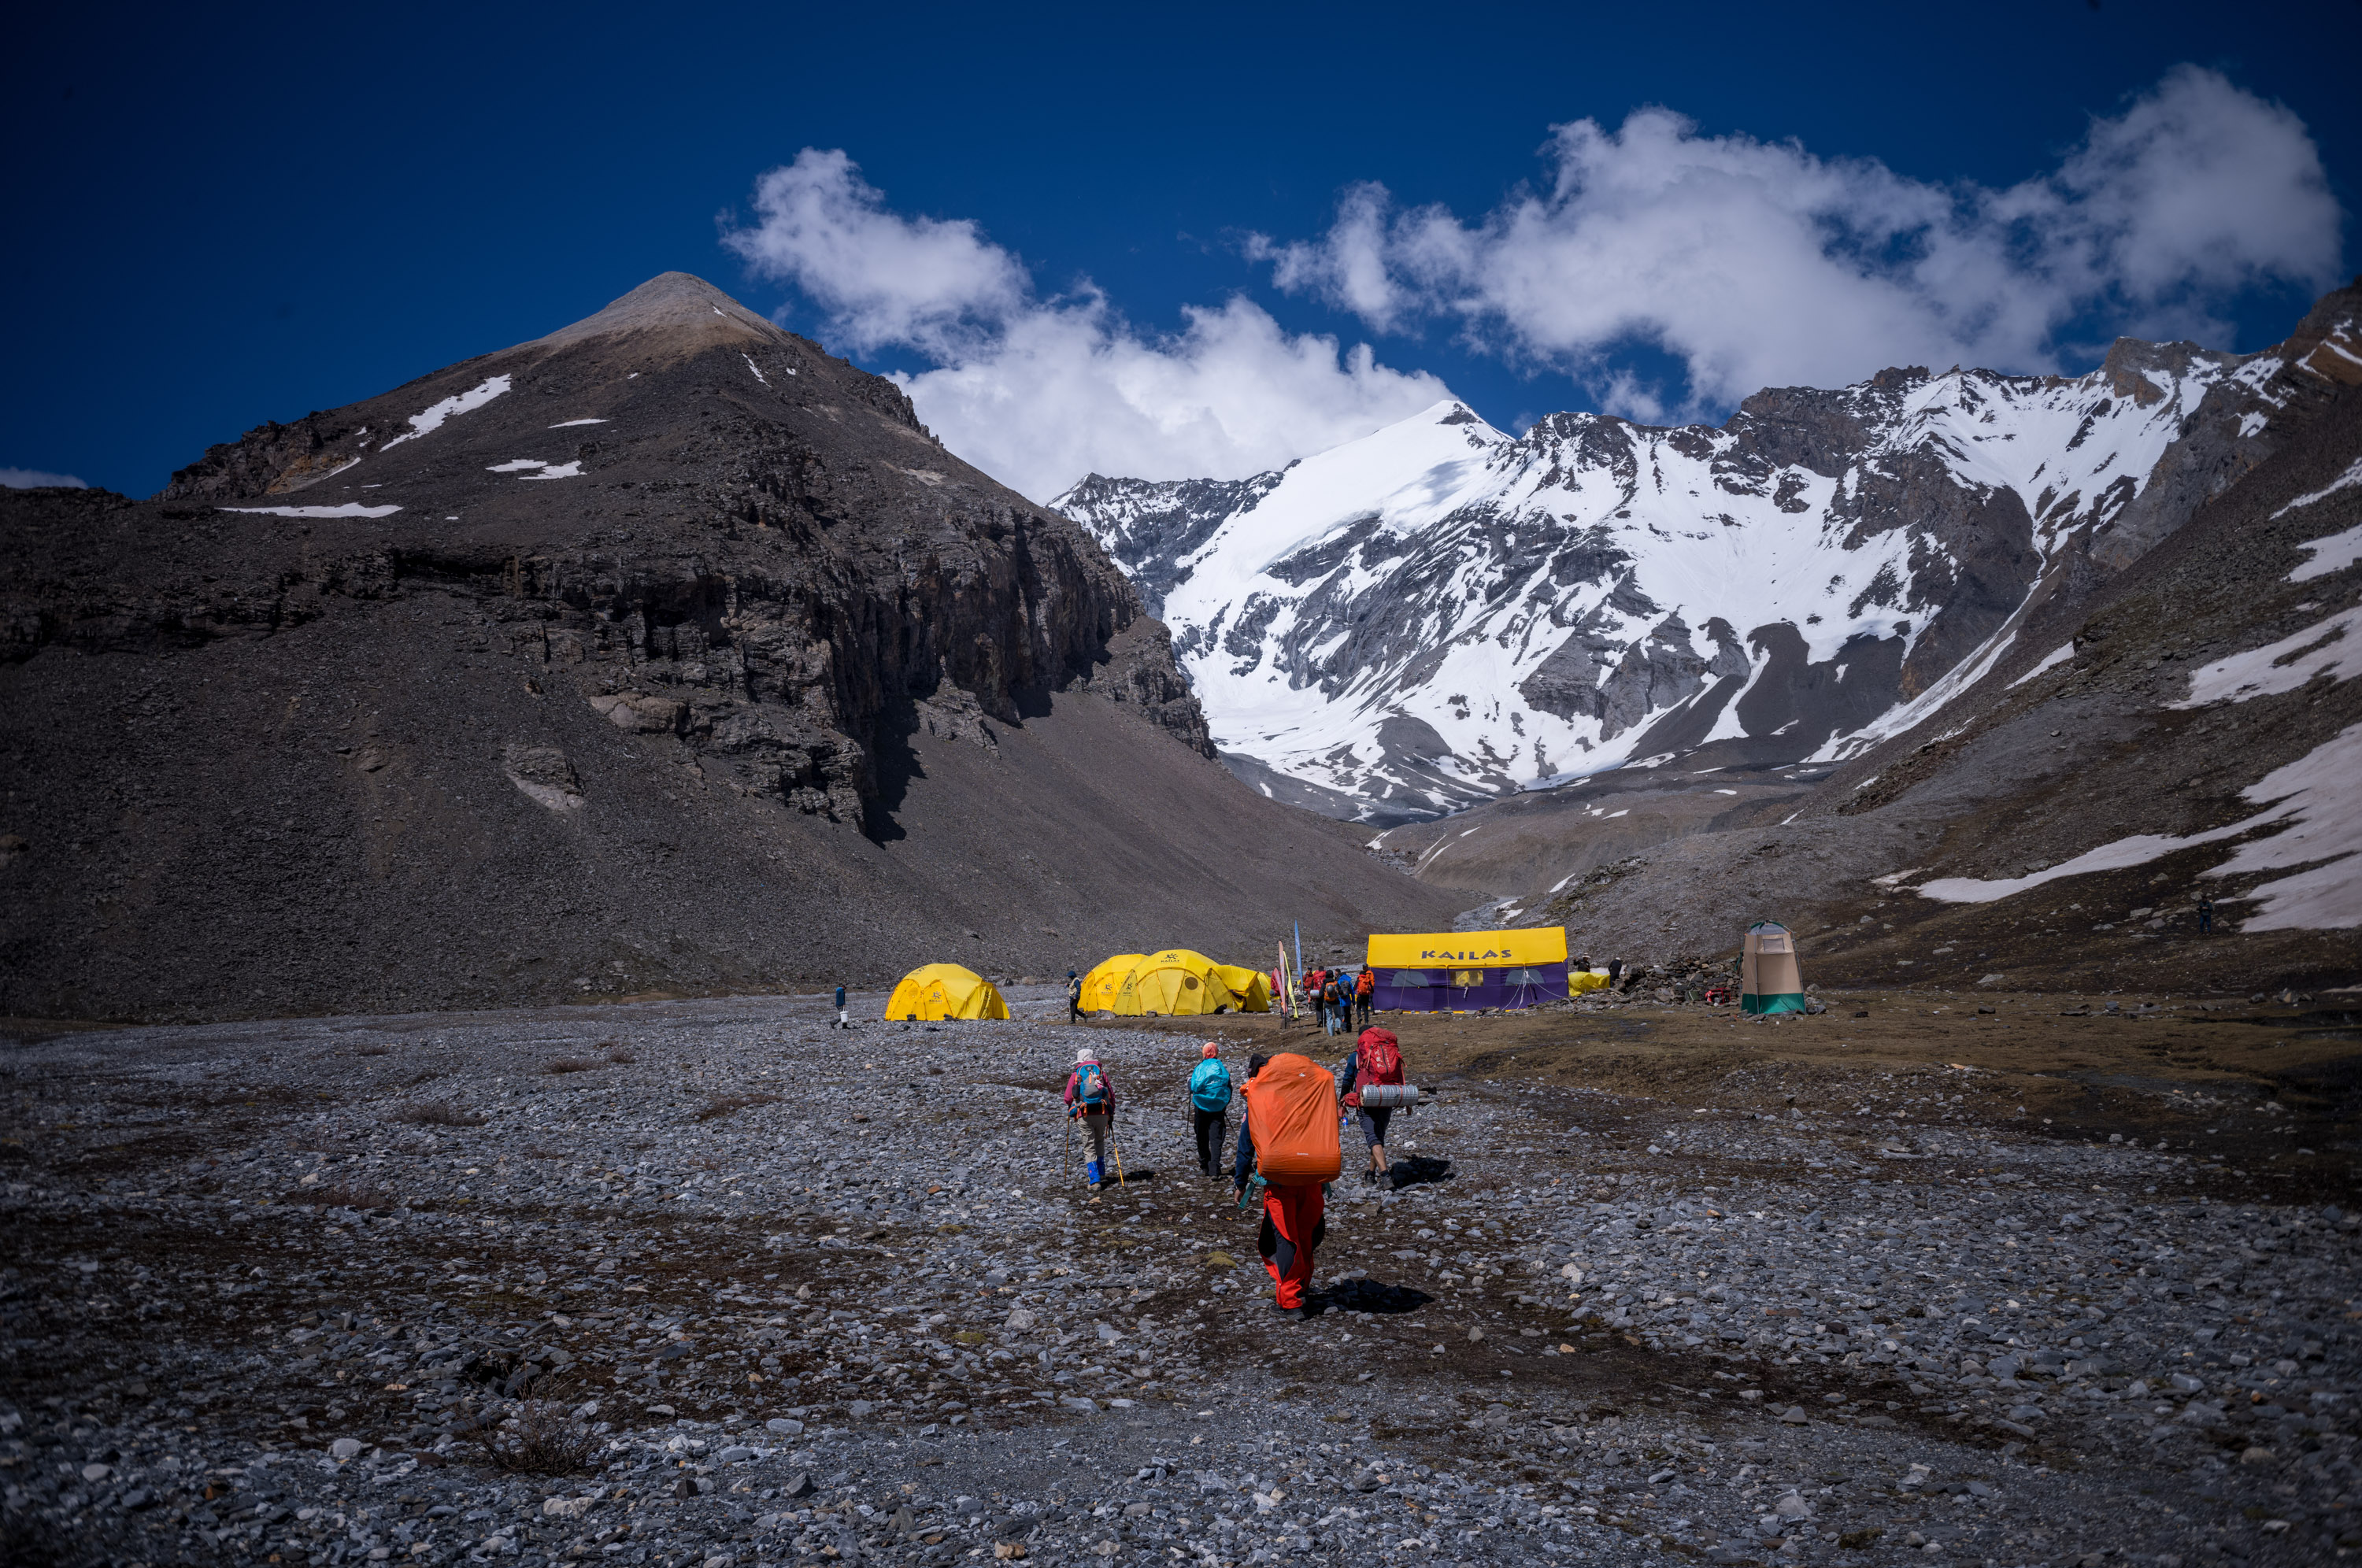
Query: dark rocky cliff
(666, 652)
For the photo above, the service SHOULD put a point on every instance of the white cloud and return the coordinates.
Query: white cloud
(34, 479)
(1039, 392)
(1761, 264)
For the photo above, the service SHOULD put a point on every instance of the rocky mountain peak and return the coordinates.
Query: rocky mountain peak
(684, 308)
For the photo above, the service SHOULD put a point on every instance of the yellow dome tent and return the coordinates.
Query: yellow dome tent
(1175, 983)
(1100, 986)
(936, 991)
(1251, 987)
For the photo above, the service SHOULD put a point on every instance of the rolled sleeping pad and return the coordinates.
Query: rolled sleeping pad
(1390, 1096)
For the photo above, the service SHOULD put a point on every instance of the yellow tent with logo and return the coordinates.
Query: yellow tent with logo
(1175, 983)
(1251, 987)
(1102, 983)
(933, 991)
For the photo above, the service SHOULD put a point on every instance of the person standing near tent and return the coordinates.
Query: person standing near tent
(843, 1018)
(1333, 1005)
(1090, 1094)
(1376, 1058)
(1291, 1119)
(1365, 986)
(1074, 997)
(1209, 1108)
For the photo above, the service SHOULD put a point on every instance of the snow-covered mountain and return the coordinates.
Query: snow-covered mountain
(1440, 613)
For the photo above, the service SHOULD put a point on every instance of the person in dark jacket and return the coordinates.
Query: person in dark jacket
(2205, 916)
(844, 1021)
(1242, 1161)
(1074, 997)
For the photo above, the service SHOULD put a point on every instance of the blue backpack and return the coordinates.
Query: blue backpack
(1209, 1086)
(1090, 1084)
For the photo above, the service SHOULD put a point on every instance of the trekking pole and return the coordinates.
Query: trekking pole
(1066, 1159)
(1118, 1150)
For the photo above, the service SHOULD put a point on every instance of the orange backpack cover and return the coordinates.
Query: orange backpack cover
(1292, 1116)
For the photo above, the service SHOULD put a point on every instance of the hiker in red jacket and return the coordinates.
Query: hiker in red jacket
(1376, 1059)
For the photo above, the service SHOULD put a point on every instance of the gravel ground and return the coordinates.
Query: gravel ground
(794, 1295)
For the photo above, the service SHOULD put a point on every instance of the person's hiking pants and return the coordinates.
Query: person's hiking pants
(1074, 1010)
(1096, 1123)
(1292, 1215)
(1213, 1138)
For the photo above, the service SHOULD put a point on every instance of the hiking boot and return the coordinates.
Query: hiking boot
(1293, 1314)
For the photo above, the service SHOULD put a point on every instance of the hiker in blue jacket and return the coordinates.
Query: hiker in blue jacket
(1209, 1107)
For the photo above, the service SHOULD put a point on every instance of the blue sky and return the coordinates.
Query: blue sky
(218, 222)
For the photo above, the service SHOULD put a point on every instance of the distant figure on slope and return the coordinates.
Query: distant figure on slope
(1074, 997)
(1209, 1108)
(1090, 1094)
(2205, 915)
(843, 1018)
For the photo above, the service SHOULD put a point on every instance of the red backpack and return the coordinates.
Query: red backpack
(1377, 1060)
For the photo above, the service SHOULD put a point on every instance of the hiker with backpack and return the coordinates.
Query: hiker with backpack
(1365, 986)
(1330, 1012)
(844, 1020)
(1090, 1094)
(1074, 997)
(1209, 1108)
(1291, 1121)
(1376, 1059)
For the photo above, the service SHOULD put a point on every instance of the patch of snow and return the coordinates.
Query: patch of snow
(2331, 648)
(2050, 660)
(349, 508)
(756, 369)
(2331, 553)
(431, 419)
(2346, 481)
(2315, 800)
(2251, 422)
(1909, 715)
(1894, 878)
(548, 471)
(1626, 812)
(570, 423)
(1726, 792)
